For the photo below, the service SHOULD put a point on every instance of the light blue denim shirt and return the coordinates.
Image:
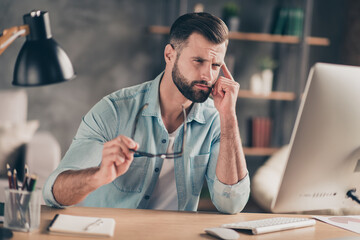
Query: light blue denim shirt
(114, 115)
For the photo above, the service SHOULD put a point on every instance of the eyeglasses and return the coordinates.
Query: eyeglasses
(161, 155)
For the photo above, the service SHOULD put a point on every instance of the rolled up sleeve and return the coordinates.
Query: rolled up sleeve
(47, 189)
(231, 198)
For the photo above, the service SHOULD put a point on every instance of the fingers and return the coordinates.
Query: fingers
(116, 157)
(119, 149)
(226, 72)
(128, 141)
(225, 85)
(220, 85)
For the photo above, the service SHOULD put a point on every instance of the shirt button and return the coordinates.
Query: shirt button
(163, 141)
(147, 197)
(157, 169)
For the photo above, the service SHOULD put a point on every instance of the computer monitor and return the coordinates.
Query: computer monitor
(324, 157)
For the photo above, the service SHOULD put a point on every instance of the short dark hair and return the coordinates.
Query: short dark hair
(206, 24)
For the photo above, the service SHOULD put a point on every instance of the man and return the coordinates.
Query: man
(111, 161)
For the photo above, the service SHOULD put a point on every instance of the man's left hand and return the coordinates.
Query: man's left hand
(225, 92)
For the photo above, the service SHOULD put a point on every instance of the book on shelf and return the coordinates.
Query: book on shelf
(260, 132)
(296, 19)
(280, 22)
(289, 21)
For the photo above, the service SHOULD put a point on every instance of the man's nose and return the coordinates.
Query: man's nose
(206, 73)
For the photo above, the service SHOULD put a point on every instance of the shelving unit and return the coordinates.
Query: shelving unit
(275, 95)
(257, 37)
(281, 96)
(278, 96)
(304, 42)
(259, 151)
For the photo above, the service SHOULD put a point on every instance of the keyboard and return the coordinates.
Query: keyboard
(271, 224)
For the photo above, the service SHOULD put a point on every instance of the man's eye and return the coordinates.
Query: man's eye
(198, 60)
(216, 65)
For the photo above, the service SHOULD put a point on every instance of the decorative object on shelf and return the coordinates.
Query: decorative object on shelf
(267, 81)
(231, 16)
(261, 83)
(199, 7)
(267, 66)
(267, 63)
(256, 84)
(41, 60)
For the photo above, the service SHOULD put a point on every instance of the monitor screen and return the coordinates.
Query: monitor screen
(324, 157)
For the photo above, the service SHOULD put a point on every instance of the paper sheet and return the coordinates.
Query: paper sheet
(78, 225)
(351, 222)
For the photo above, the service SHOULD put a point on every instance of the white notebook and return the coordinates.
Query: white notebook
(80, 225)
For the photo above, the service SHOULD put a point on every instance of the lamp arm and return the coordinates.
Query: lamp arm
(9, 35)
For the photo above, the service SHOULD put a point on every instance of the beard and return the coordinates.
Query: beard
(188, 88)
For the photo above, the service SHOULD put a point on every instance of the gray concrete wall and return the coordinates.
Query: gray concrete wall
(108, 45)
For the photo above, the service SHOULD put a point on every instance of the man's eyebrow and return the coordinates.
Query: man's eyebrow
(200, 58)
(206, 60)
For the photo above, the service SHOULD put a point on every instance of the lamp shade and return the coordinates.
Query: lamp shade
(41, 60)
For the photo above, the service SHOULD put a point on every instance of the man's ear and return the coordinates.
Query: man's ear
(169, 54)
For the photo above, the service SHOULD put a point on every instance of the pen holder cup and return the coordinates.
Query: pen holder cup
(22, 209)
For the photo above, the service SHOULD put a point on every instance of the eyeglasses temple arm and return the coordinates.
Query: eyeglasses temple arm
(185, 127)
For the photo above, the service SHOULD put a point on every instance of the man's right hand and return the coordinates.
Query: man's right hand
(72, 186)
(116, 158)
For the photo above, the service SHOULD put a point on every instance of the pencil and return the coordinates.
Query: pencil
(26, 171)
(15, 180)
(11, 196)
(10, 179)
(8, 167)
(25, 182)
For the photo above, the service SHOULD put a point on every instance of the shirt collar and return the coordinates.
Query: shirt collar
(152, 98)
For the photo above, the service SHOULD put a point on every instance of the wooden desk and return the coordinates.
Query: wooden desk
(150, 224)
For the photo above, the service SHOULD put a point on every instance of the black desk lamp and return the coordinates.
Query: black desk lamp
(41, 60)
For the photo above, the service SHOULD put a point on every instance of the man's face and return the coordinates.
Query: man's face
(197, 67)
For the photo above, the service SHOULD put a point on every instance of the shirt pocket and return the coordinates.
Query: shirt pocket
(198, 165)
(133, 180)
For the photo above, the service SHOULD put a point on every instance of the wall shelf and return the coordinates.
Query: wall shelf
(282, 96)
(253, 151)
(258, 37)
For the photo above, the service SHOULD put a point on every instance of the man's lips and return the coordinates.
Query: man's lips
(203, 87)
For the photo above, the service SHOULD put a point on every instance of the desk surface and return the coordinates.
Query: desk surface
(151, 224)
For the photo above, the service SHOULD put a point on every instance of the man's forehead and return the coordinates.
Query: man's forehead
(199, 46)
(196, 39)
